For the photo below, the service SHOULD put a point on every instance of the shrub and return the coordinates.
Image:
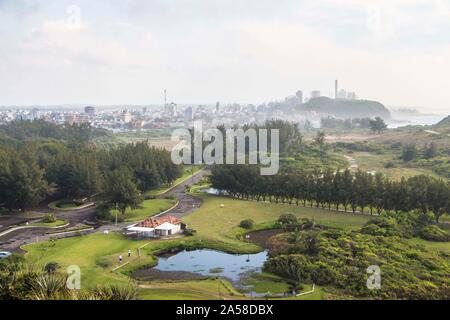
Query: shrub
(49, 218)
(247, 224)
(51, 267)
(390, 165)
(189, 232)
(287, 220)
(383, 226)
(434, 233)
(103, 212)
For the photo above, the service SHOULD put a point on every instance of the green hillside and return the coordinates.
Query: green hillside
(443, 124)
(347, 108)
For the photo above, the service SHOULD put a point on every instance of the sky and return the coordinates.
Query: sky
(112, 52)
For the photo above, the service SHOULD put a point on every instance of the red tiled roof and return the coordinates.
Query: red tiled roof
(155, 222)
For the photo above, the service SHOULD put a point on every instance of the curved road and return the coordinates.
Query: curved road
(15, 239)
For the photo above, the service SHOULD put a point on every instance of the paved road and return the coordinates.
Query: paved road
(14, 240)
(187, 203)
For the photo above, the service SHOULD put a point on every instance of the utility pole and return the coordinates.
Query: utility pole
(116, 214)
(165, 100)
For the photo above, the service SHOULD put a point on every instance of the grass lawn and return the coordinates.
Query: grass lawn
(221, 224)
(371, 161)
(57, 223)
(440, 246)
(95, 254)
(188, 171)
(266, 282)
(318, 294)
(65, 204)
(211, 289)
(147, 209)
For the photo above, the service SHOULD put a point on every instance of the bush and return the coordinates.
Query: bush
(103, 212)
(49, 218)
(434, 233)
(247, 224)
(189, 232)
(287, 220)
(51, 267)
(390, 165)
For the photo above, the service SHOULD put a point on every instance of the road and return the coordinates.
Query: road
(14, 240)
(187, 203)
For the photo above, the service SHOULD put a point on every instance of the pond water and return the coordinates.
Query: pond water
(212, 191)
(213, 263)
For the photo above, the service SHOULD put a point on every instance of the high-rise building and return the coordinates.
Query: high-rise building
(126, 116)
(315, 94)
(336, 87)
(189, 114)
(70, 118)
(347, 95)
(35, 114)
(217, 107)
(89, 110)
(172, 109)
(299, 96)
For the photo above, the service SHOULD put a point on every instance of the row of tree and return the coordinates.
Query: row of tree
(347, 190)
(376, 125)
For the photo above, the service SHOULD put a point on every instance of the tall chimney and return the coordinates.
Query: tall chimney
(335, 89)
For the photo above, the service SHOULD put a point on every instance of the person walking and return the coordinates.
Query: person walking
(129, 253)
(120, 259)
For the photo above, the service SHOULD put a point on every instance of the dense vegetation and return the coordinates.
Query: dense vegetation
(376, 125)
(45, 159)
(339, 260)
(347, 108)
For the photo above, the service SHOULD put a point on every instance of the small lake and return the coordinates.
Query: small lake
(212, 191)
(213, 263)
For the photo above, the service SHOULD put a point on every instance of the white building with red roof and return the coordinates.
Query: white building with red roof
(157, 227)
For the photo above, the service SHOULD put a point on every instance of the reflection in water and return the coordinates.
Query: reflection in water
(213, 263)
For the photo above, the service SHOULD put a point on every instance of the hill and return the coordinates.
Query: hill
(347, 108)
(443, 124)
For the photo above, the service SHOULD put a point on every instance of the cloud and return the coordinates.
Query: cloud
(203, 51)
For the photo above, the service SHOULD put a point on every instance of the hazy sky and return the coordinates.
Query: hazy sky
(202, 51)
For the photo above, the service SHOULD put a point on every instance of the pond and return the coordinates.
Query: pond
(212, 191)
(213, 263)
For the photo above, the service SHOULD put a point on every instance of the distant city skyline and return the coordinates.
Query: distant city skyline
(113, 52)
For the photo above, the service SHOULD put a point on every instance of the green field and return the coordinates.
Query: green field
(147, 209)
(66, 205)
(211, 289)
(369, 161)
(221, 224)
(57, 223)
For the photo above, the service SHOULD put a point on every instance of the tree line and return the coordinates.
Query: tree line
(328, 189)
(35, 167)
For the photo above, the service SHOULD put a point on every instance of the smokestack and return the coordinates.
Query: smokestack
(335, 89)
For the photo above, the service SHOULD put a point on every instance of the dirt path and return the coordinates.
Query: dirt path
(353, 164)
